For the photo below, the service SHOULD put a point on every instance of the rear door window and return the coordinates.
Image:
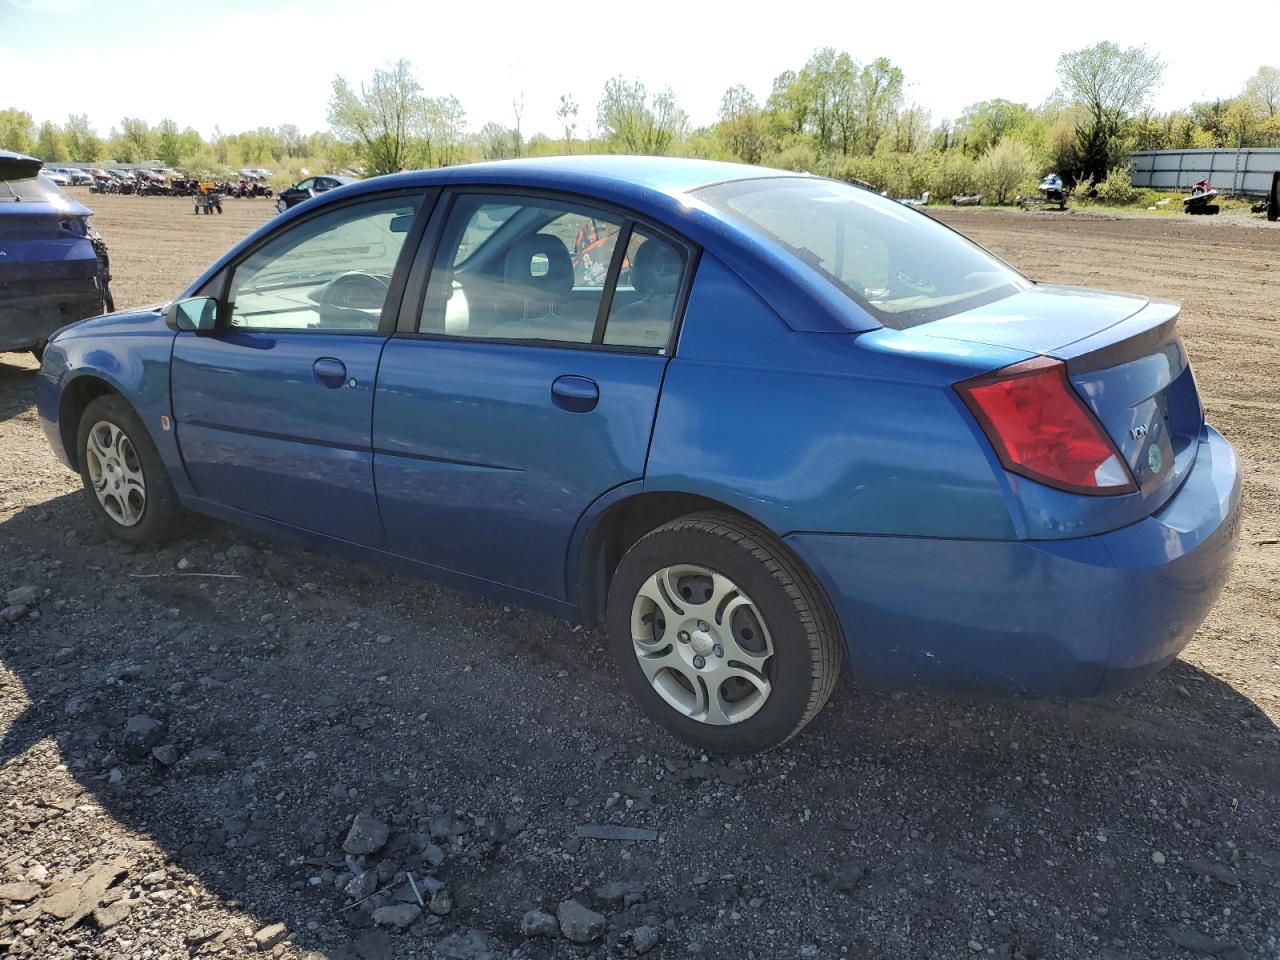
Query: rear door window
(644, 304)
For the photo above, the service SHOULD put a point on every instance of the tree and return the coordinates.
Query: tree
(1109, 85)
(135, 142)
(291, 139)
(443, 124)
(495, 141)
(83, 144)
(742, 126)
(517, 108)
(567, 113)
(382, 117)
(879, 97)
(1002, 168)
(634, 122)
(169, 145)
(51, 146)
(984, 124)
(17, 131)
(910, 129)
(788, 105)
(1263, 90)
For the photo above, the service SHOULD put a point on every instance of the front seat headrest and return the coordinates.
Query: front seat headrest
(539, 270)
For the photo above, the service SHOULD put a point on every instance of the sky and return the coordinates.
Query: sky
(270, 62)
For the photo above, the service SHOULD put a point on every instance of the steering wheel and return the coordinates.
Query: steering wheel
(351, 293)
(914, 282)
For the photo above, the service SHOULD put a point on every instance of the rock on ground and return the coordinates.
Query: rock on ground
(578, 923)
(367, 835)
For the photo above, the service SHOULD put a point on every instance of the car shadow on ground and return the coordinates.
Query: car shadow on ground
(17, 385)
(285, 692)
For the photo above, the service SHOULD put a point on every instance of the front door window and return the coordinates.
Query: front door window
(330, 272)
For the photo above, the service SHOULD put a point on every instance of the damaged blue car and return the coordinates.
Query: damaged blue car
(755, 424)
(53, 266)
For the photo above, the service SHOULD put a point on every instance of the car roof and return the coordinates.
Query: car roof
(592, 173)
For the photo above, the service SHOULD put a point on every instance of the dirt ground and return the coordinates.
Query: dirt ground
(188, 735)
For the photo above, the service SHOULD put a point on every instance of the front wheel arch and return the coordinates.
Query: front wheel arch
(76, 396)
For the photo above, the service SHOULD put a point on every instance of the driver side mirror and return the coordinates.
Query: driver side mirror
(197, 315)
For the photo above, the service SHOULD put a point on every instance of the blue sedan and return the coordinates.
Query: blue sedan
(756, 424)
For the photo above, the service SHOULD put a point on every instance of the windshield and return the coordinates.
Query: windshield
(899, 265)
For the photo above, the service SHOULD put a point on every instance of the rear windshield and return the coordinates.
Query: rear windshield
(900, 266)
(33, 189)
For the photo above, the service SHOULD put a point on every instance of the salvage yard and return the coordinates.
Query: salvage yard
(232, 747)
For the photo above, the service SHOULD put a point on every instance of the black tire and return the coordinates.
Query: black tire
(162, 516)
(806, 638)
(38, 351)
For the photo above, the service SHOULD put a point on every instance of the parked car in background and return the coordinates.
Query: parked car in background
(79, 177)
(74, 175)
(308, 188)
(53, 266)
(125, 182)
(790, 422)
(56, 176)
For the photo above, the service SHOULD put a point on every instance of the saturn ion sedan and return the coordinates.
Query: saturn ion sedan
(756, 424)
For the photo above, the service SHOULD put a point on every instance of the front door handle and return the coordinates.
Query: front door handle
(330, 372)
(575, 394)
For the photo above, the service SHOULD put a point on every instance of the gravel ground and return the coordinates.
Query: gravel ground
(231, 747)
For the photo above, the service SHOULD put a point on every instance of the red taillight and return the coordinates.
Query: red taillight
(1040, 428)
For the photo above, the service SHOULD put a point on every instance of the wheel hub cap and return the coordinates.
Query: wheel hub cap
(115, 473)
(703, 645)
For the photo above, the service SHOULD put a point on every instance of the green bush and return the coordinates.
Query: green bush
(1117, 189)
(1082, 192)
(956, 175)
(798, 156)
(1002, 168)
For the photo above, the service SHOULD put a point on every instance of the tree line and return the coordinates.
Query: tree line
(834, 115)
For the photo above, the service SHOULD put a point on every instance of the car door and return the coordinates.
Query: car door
(507, 402)
(273, 409)
(303, 190)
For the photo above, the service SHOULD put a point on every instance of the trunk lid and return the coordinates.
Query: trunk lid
(1124, 359)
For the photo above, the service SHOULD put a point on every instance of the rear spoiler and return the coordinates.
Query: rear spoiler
(1138, 335)
(17, 166)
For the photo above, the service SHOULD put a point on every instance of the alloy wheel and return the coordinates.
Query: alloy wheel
(116, 473)
(703, 644)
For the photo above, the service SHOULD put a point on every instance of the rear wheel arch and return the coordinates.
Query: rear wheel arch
(623, 523)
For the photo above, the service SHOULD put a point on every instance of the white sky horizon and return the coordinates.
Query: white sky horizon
(272, 62)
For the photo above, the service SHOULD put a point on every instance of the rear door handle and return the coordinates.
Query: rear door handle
(575, 394)
(330, 372)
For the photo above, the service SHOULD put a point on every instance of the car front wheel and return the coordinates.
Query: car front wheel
(125, 481)
(721, 634)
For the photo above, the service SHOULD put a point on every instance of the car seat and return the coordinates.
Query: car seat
(655, 274)
(535, 299)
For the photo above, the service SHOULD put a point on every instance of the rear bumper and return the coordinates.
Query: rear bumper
(1062, 617)
(30, 312)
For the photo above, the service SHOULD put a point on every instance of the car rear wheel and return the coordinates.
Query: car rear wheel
(721, 634)
(125, 481)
